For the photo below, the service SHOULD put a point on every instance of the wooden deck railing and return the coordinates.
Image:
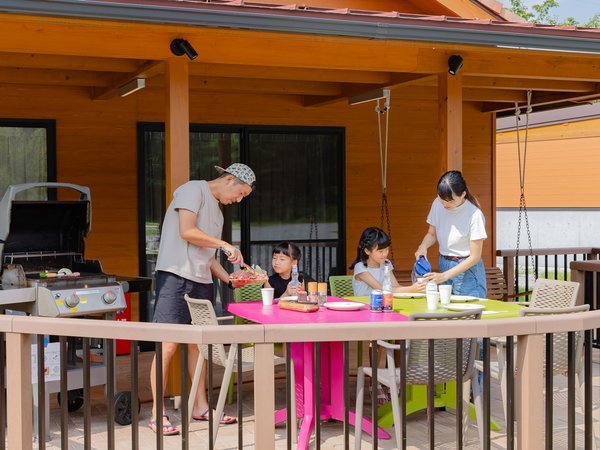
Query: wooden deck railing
(529, 332)
(553, 263)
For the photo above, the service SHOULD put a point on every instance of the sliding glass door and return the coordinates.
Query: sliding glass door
(299, 194)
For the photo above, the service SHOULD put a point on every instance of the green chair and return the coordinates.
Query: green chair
(250, 292)
(341, 285)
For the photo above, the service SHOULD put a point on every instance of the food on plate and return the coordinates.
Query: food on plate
(246, 275)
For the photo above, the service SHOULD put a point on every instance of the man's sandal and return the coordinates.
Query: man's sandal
(168, 429)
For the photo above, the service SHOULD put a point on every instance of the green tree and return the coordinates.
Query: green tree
(542, 13)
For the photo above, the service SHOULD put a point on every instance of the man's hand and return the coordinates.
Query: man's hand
(234, 255)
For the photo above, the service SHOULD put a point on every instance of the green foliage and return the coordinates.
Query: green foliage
(542, 13)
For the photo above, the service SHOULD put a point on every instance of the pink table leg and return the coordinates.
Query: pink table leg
(336, 406)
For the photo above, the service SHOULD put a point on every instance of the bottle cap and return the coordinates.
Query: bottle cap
(322, 288)
(312, 286)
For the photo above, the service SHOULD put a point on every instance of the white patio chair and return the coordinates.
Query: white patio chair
(559, 358)
(417, 370)
(203, 313)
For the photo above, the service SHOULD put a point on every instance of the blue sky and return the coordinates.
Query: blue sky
(581, 10)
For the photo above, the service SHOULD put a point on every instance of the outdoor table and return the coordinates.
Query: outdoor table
(446, 394)
(332, 369)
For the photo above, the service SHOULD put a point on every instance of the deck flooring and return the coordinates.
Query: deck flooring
(331, 432)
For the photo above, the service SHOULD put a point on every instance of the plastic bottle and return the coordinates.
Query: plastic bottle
(386, 287)
(294, 284)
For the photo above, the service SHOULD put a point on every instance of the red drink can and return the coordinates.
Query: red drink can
(388, 301)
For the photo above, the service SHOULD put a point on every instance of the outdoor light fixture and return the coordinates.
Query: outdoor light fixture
(455, 62)
(134, 85)
(181, 47)
(370, 96)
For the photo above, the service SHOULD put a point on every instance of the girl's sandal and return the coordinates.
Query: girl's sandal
(168, 429)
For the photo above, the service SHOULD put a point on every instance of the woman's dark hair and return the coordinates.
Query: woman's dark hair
(371, 238)
(453, 182)
(288, 249)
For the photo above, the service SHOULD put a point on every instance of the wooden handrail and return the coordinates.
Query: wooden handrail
(550, 251)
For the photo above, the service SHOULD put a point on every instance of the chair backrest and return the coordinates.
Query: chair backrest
(560, 354)
(444, 370)
(247, 293)
(203, 314)
(496, 285)
(553, 294)
(341, 285)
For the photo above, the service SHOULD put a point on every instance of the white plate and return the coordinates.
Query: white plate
(408, 295)
(464, 307)
(289, 298)
(344, 306)
(463, 298)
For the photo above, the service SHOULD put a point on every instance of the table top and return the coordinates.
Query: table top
(494, 309)
(256, 312)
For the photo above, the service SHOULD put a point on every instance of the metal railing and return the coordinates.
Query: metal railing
(522, 268)
(528, 402)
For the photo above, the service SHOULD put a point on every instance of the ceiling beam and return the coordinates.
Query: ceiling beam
(397, 80)
(528, 84)
(286, 73)
(545, 99)
(84, 63)
(43, 77)
(148, 70)
(492, 95)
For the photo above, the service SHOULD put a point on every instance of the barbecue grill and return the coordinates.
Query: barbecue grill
(44, 271)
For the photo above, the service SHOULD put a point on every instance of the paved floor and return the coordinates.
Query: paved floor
(331, 432)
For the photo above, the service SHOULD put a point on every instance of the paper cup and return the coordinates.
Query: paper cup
(432, 300)
(267, 296)
(445, 293)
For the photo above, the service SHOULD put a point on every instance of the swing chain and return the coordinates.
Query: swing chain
(522, 167)
(383, 159)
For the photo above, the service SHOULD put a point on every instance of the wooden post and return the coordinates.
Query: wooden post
(19, 391)
(264, 397)
(177, 155)
(177, 124)
(530, 392)
(450, 120)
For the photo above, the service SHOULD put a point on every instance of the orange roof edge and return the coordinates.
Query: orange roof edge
(498, 8)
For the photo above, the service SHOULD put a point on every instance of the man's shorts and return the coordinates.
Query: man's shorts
(171, 306)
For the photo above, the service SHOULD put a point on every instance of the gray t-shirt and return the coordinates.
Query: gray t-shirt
(360, 287)
(175, 254)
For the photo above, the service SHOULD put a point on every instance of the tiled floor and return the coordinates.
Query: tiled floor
(331, 432)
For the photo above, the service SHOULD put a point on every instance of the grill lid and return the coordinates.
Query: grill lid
(44, 225)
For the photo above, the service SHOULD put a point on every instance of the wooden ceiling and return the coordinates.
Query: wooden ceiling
(103, 55)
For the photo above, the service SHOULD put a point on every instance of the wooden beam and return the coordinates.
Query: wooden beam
(527, 84)
(284, 73)
(257, 86)
(84, 63)
(466, 8)
(544, 100)
(45, 77)
(147, 71)
(494, 95)
(177, 125)
(18, 395)
(396, 80)
(450, 120)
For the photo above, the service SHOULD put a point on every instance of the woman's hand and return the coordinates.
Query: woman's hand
(439, 278)
(419, 286)
(421, 251)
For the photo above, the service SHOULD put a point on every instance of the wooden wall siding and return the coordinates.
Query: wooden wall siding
(96, 145)
(562, 166)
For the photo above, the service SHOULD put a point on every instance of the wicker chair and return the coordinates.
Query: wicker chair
(417, 369)
(553, 294)
(559, 358)
(203, 313)
(341, 285)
